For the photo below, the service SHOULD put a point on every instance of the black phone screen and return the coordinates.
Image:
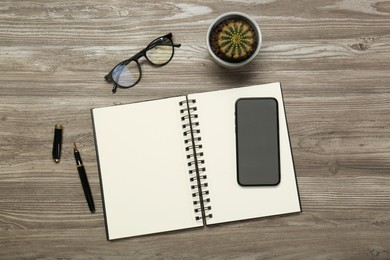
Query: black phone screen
(257, 142)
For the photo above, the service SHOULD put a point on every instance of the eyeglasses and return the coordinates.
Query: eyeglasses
(128, 72)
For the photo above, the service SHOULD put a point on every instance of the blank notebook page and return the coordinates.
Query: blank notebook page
(143, 168)
(229, 200)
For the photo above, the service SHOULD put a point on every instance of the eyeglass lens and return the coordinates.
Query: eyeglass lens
(127, 75)
(161, 51)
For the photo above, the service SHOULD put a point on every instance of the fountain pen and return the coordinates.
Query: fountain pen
(84, 179)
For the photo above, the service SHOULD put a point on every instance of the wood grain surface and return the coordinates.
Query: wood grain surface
(332, 57)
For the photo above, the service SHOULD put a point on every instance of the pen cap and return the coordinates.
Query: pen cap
(57, 143)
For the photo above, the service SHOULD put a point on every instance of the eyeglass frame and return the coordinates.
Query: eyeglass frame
(136, 57)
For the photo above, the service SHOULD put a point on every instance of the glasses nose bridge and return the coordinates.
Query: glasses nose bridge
(139, 55)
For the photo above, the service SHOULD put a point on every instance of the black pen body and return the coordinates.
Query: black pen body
(84, 181)
(86, 188)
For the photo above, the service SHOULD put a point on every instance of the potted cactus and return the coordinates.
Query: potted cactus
(233, 39)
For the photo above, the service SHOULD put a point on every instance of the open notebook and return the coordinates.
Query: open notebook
(170, 164)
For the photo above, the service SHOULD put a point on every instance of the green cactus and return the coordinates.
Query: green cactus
(236, 40)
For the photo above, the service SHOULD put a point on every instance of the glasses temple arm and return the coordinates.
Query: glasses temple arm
(114, 88)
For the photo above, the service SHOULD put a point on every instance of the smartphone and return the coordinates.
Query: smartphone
(257, 142)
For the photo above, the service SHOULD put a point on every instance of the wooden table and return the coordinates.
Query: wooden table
(332, 58)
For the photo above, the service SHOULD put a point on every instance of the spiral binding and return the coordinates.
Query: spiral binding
(195, 160)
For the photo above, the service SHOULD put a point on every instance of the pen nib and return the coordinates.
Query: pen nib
(75, 147)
